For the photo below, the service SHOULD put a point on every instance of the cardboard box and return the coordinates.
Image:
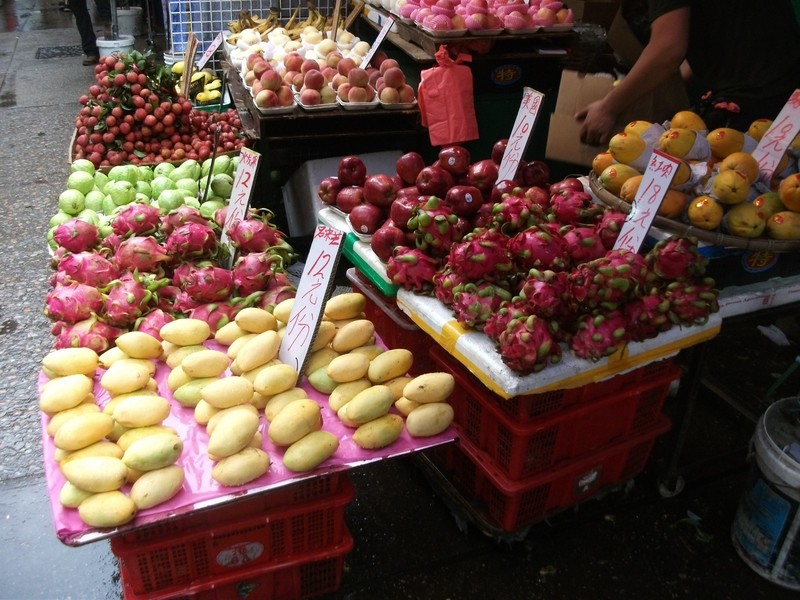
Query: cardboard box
(600, 12)
(579, 89)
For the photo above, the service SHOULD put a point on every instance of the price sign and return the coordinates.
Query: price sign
(521, 134)
(378, 39)
(209, 51)
(312, 292)
(658, 176)
(243, 183)
(779, 136)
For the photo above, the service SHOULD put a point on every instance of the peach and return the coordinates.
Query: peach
(310, 96)
(249, 78)
(285, 96)
(332, 58)
(309, 64)
(298, 80)
(266, 99)
(293, 61)
(388, 63)
(328, 73)
(406, 94)
(271, 80)
(337, 80)
(288, 76)
(389, 95)
(343, 91)
(252, 59)
(358, 94)
(327, 95)
(313, 79)
(256, 87)
(394, 77)
(345, 65)
(261, 66)
(358, 77)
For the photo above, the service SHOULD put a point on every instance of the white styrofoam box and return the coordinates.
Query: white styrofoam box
(300, 193)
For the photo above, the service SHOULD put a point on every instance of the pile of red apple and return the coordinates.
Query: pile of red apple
(380, 204)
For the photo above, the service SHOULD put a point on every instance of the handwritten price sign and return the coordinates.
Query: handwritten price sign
(778, 137)
(312, 292)
(243, 184)
(209, 51)
(657, 178)
(520, 134)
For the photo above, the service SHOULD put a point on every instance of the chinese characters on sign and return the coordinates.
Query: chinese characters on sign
(658, 176)
(212, 47)
(520, 134)
(312, 293)
(243, 184)
(776, 140)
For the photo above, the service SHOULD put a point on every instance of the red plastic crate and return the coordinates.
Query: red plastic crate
(393, 326)
(229, 541)
(305, 576)
(530, 407)
(519, 451)
(512, 505)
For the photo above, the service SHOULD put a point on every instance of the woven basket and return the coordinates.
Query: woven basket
(712, 237)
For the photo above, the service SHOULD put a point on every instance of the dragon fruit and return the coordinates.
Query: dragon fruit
(184, 303)
(139, 253)
(72, 302)
(76, 235)
(583, 244)
(435, 227)
(131, 296)
(110, 243)
(181, 216)
(474, 303)
(137, 218)
(497, 323)
(692, 303)
(218, 314)
(647, 316)
(444, 282)
(538, 248)
(253, 235)
(89, 333)
(515, 213)
(544, 293)
(166, 297)
(527, 344)
(209, 283)
(599, 334)
(412, 269)
(252, 272)
(609, 226)
(607, 282)
(91, 268)
(573, 208)
(192, 241)
(482, 254)
(677, 258)
(153, 321)
(279, 288)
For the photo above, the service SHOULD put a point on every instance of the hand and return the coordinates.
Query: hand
(597, 125)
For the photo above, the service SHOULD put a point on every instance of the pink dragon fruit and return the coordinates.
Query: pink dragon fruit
(692, 303)
(72, 302)
(91, 268)
(544, 293)
(90, 333)
(218, 314)
(137, 218)
(253, 235)
(497, 323)
(166, 297)
(583, 244)
(677, 258)
(76, 235)
(538, 248)
(209, 283)
(110, 243)
(573, 208)
(527, 344)
(252, 272)
(474, 303)
(412, 269)
(444, 282)
(482, 254)
(599, 334)
(647, 316)
(130, 297)
(609, 226)
(184, 303)
(191, 241)
(609, 281)
(515, 213)
(435, 227)
(181, 216)
(139, 253)
(279, 288)
(153, 321)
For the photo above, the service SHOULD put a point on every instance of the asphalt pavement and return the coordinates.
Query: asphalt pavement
(636, 541)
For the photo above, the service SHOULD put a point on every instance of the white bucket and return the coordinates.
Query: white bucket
(129, 20)
(123, 44)
(766, 529)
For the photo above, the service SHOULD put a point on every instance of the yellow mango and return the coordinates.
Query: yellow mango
(64, 392)
(233, 433)
(238, 343)
(139, 344)
(405, 406)
(276, 379)
(295, 420)
(71, 361)
(175, 358)
(191, 392)
(344, 392)
(125, 376)
(259, 350)
(71, 496)
(99, 448)
(430, 387)
(390, 364)
(349, 305)
(137, 433)
(283, 309)
(108, 509)
(217, 416)
(227, 392)
(319, 358)
(157, 486)
(205, 363)
(241, 468)
(380, 432)
(348, 367)
(278, 401)
(310, 451)
(96, 473)
(83, 430)
(369, 404)
(153, 452)
(141, 410)
(256, 320)
(359, 332)
(229, 333)
(186, 332)
(61, 417)
(429, 419)
(321, 381)
(324, 335)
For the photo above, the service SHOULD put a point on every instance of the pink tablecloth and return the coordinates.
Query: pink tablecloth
(199, 489)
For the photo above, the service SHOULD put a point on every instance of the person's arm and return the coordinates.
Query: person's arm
(669, 41)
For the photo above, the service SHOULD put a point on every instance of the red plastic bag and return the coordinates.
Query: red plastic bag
(446, 101)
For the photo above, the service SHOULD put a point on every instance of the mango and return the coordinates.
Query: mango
(174, 359)
(190, 393)
(389, 365)
(278, 401)
(205, 363)
(348, 367)
(259, 350)
(61, 417)
(139, 344)
(137, 433)
(110, 356)
(233, 433)
(617, 174)
(125, 376)
(108, 509)
(229, 333)
(321, 381)
(71, 361)
(141, 410)
(176, 378)
(310, 451)
(323, 336)
(203, 412)
(430, 387)
(241, 468)
(295, 420)
(367, 405)
(429, 419)
(96, 473)
(319, 358)
(186, 332)
(71, 496)
(227, 392)
(784, 225)
(397, 385)
(345, 306)
(371, 351)
(256, 320)
(215, 418)
(276, 379)
(238, 343)
(359, 332)
(64, 392)
(379, 433)
(344, 392)
(157, 486)
(83, 430)
(404, 406)
(153, 452)
(99, 448)
(283, 310)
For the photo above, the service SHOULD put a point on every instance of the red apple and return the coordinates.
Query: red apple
(535, 172)
(455, 159)
(352, 171)
(568, 184)
(538, 195)
(367, 218)
(434, 181)
(483, 174)
(328, 188)
(464, 200)
(386, 239)
(402, 209)
(502, 187)
(349, 197)
(380, 190)
(408, 167)
(498, 149)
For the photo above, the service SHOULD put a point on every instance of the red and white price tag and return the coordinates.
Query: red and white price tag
(658, 176)
(778, 137)
(521, 133)
(243, 184)
(387, 25)
(312, 293)
(209, 51)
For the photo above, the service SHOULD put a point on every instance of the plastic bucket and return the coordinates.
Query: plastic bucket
(766, 528)
(129, 20)
(122, 45)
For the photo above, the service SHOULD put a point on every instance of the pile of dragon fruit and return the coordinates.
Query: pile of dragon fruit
(532, 264)
(151, 268)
